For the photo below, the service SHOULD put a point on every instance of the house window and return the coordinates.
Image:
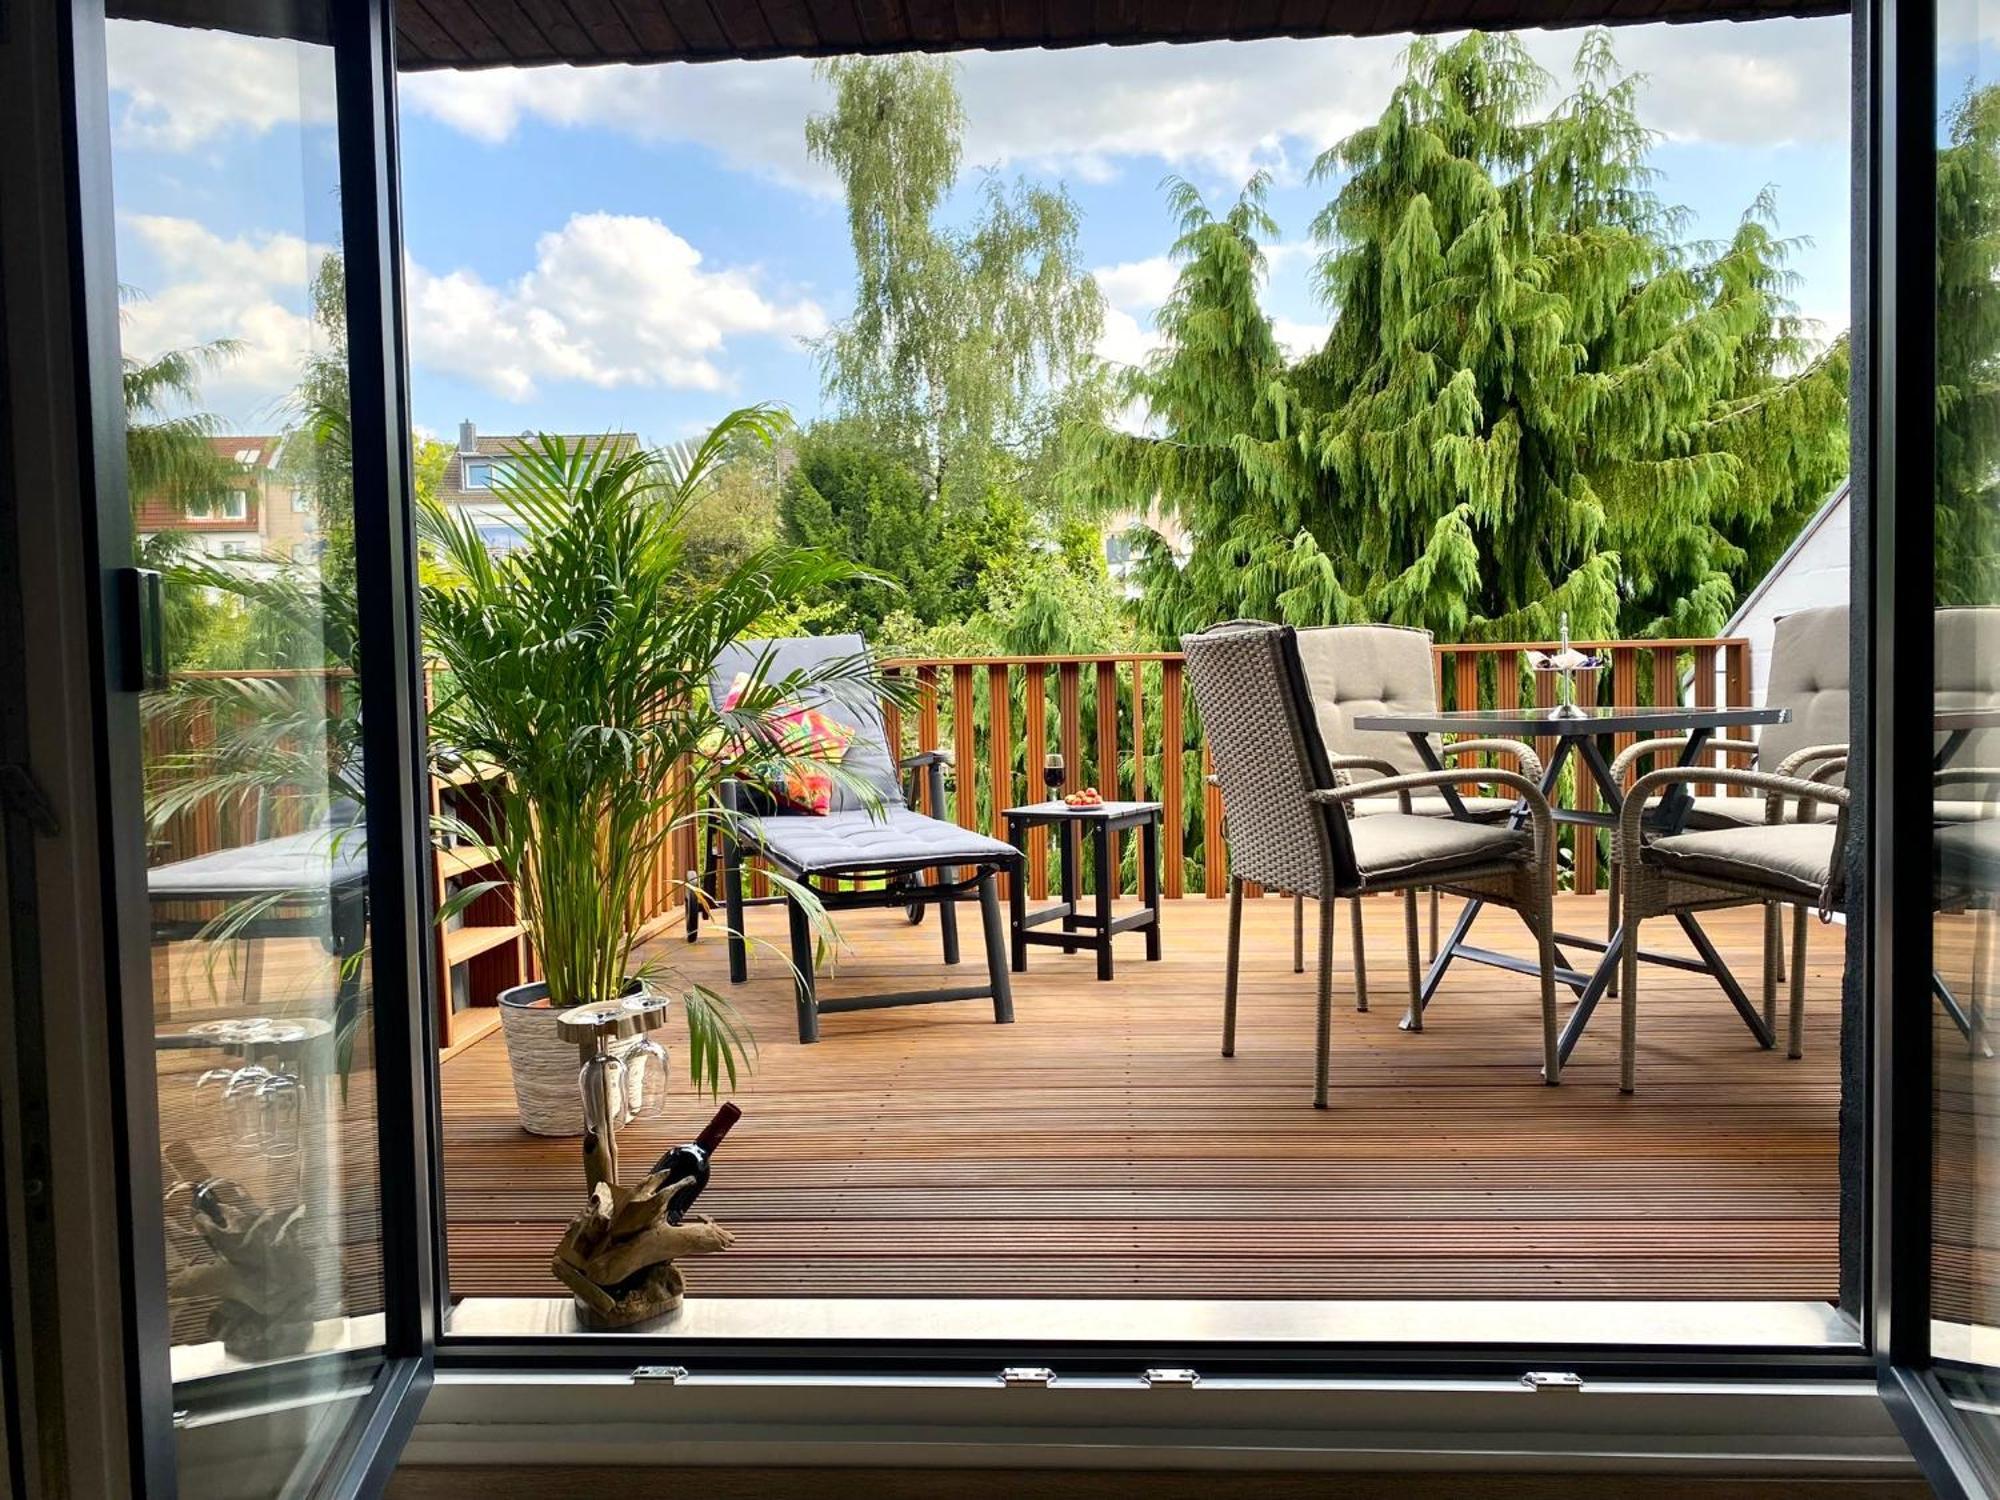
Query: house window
(500, 538)
(481, 474)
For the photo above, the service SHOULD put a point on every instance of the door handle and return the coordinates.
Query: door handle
(142, 609)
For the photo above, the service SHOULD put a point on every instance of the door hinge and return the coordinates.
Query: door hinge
(1552, 1380)
(20, 795)
(1172, 1376)
(661, 1374)
(1040, 1375)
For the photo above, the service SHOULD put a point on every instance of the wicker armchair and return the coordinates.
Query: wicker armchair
(1289, 827)
(1809, 676)
(1792, 858)
(1362, 669)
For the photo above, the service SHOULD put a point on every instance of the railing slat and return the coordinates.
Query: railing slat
(965, 748)
(1624, 692)
(1704, 695)
(1107, 750)
(1214, 868)
(1000, 748)
(1034, 726)
(1736, 694)
(1173, 814)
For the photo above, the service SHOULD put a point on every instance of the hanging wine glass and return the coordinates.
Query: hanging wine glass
(242, 1107)
(646, 1081)
(601, 1080)
(280, 1098)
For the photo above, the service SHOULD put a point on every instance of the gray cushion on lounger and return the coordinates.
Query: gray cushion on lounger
(897, 837)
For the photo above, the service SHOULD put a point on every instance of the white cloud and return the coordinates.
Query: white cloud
(1138, 283)
(1218, 110)
(248, 289)
(1299, 339)
(612, 300)
(177, 87)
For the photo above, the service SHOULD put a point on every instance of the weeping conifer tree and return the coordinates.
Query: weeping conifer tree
(1535, 398)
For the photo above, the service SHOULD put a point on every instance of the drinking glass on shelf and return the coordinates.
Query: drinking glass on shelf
(280, 1099)
(242, 1106)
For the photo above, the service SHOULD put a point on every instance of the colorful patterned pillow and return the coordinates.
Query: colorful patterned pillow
(804, 733)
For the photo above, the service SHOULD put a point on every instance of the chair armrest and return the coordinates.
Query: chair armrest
(940, 756)
(1795, 764)
(1777, 788)
(1646, 749)
(1538, 805)
(1531, 763)
(1361, 763)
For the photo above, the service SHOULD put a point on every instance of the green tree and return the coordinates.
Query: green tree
(1968, 352)
(1535, 397)
(963, 341)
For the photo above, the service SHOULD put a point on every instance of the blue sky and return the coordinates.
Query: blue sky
(643, 248)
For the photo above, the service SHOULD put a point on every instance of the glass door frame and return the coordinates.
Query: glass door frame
(1896, 245)
(392, 732)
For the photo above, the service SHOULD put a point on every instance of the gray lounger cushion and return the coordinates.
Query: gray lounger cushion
(857, 841)
(1793, 857)
(1395, 846)
(867, 756)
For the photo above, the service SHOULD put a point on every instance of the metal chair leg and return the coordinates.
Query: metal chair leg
(1611, 918)
(996, 947)
(804, 991)
(1415, 965)
(1298, 933)
(1323, 1064)
(732, 905)
(1360, 958)
(948, 916)
(1774, 942)
(1436, 900)
(1545, 942)
(1231, 963)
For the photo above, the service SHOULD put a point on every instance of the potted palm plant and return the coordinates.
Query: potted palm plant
(578, 665)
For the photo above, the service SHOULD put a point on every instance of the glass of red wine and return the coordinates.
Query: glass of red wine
(1053, 772)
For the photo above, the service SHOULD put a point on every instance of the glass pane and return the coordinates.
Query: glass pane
(233, 339)
(1965, 1290)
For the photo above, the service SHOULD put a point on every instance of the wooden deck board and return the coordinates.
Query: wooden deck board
(1101, 1146)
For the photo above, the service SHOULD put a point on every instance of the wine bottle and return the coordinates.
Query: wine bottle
(691, 1160)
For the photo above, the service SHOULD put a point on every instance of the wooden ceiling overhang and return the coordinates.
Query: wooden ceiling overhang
(511, 33)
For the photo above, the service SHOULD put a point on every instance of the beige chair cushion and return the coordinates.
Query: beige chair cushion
(1748, 812)
(1368, 669)
(1433, 805)
(1968, 856)
(1962, 810)
(1395, 847)
(1795, 858)
(1809, 673)
(1967, 653)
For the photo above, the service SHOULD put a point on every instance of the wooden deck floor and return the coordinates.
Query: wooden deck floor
(1100, 1146)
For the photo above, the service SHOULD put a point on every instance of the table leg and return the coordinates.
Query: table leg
(1067, 829)
(1149, 882)
(1100, 850)
(1017, 898)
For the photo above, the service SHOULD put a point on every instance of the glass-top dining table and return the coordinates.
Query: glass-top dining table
(1582, 734)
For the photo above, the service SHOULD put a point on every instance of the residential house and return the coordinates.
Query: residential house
(479, 463)
(263, 518)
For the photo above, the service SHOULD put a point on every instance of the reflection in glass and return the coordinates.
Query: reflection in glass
(233, 333)
(1966, 763)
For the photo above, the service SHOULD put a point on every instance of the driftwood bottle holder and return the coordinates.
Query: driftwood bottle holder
(618, 1256)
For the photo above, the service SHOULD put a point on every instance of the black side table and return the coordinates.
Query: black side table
(1093, 929)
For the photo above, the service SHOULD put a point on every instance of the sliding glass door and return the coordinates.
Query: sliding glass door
(259, 723)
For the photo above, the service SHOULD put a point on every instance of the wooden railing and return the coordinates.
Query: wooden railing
(1124, 723)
